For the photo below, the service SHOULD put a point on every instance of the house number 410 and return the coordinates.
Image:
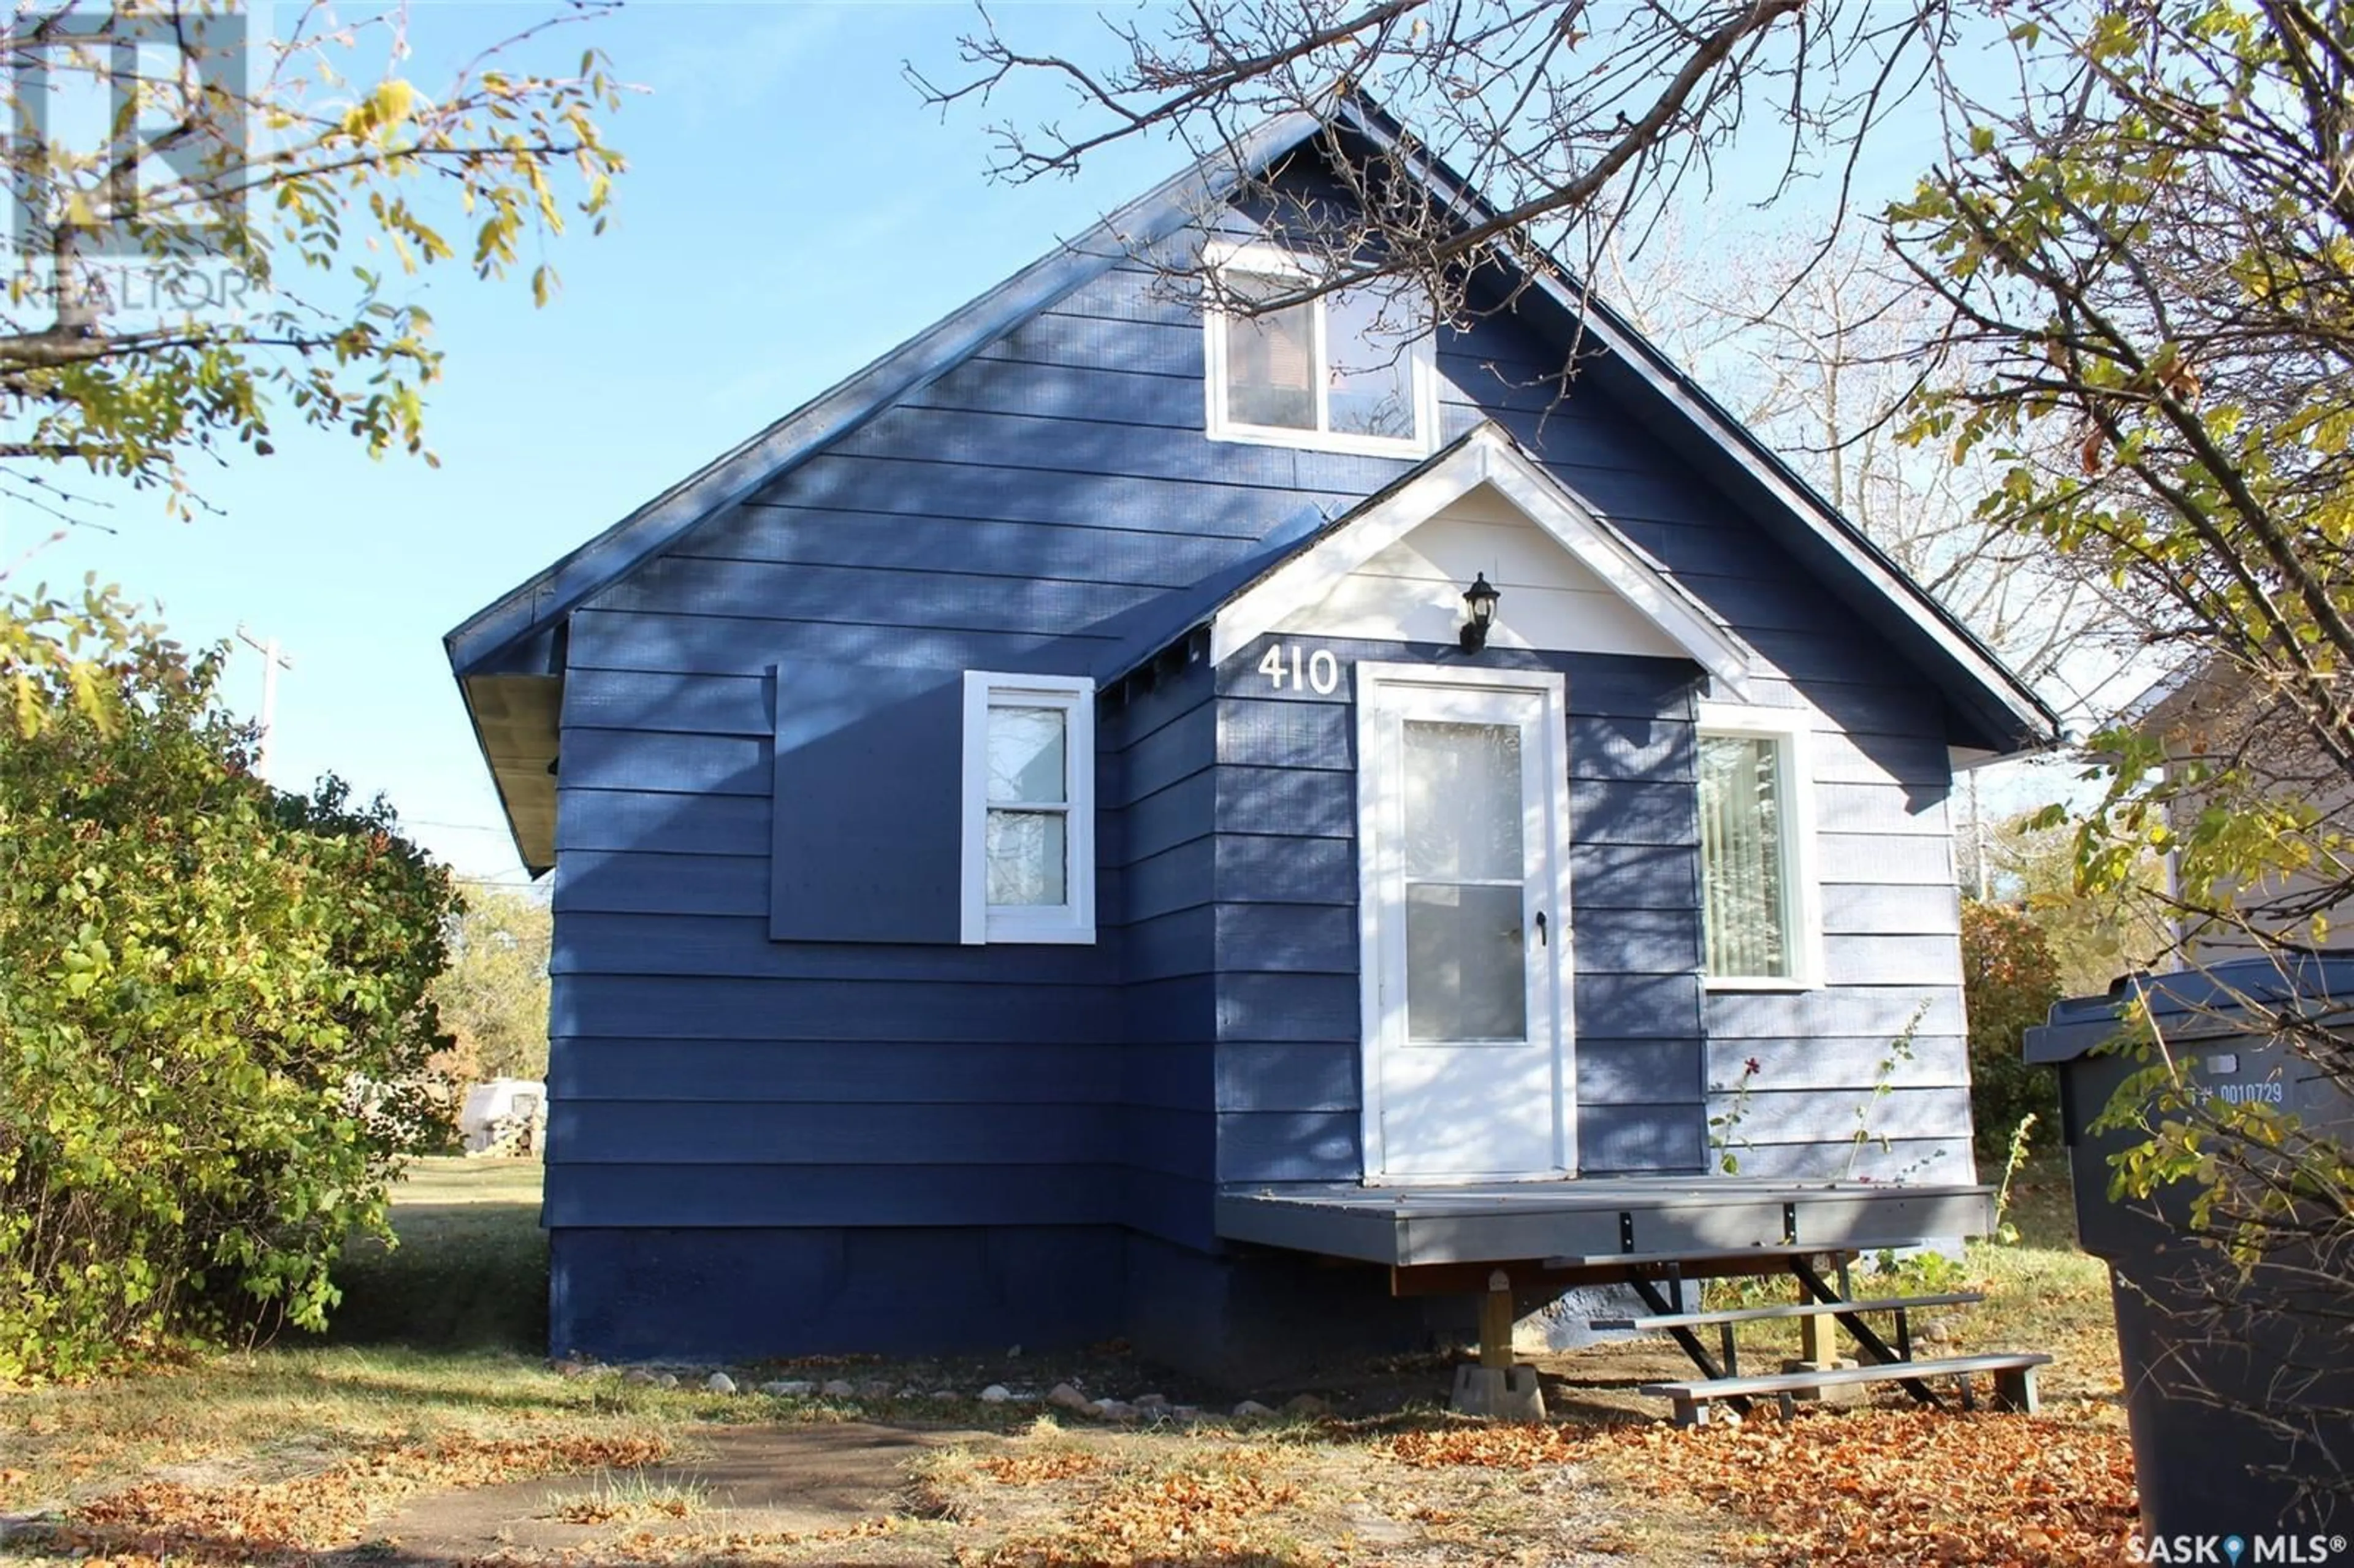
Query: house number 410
(1320, 672)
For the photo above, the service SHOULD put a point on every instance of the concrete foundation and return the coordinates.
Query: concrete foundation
(1499, 1393)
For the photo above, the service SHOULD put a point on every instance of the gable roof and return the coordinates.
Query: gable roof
(517, 637)
(1253, 598)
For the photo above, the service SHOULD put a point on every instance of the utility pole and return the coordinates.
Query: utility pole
(272, 661)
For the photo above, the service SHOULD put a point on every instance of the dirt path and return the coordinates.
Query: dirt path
(858, 1493)
(764, 1483)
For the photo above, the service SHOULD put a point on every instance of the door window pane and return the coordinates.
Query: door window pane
(1270, 358)
(1025, 756)
(1027, 859)
(1372, 372)
(1463, 801)
(1467, 975)
(1745, 911)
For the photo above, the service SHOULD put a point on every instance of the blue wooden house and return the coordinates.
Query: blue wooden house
(1118, 820)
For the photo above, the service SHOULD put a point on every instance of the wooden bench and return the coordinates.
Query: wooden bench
(2014, 1382)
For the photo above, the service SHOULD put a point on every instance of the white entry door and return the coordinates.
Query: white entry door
(1463, 815)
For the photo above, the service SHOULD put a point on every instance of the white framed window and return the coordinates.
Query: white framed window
(1761, 913)
(1029, 868)
(1337, 373)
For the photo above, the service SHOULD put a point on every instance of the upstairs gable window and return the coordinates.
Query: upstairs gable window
(1336, 372)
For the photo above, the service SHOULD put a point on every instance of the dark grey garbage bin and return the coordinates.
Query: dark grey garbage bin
(2197, 1360)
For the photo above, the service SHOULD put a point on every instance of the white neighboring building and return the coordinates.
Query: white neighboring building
(490, 1107)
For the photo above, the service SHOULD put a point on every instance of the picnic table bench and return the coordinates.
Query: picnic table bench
(2013, 1373)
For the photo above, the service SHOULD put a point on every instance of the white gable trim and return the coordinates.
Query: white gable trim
(1485, 457)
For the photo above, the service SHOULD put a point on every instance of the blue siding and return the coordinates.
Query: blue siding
(966, 602)
(594, 942)
(711, 1293)
(1159, 733)
(678, 1007)
(838, 1073)
(760, 742)
(636, 882)
(705, 1076)
(1634, 865)
(661, 822)
(759, 1196)
(807, 1131)
(869, 812)
(686, 642)
(700, 764)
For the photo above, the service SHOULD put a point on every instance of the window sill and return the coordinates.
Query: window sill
(1000, 931)
(1324, 441)
(1760, 983)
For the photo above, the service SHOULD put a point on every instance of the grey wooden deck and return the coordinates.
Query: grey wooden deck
(1596, 1222)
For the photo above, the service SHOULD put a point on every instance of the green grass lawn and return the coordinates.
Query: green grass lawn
(470, 1272)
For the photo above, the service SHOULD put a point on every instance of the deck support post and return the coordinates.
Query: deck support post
(1812, 1349)
(1497, 1388)
(1817, 1351)
(1496, 1316)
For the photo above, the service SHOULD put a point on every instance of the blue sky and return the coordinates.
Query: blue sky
(791, 212)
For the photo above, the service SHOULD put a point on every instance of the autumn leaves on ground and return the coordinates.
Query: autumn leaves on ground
(431, 1433)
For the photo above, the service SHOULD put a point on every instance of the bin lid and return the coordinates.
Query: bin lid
(2204, 1002)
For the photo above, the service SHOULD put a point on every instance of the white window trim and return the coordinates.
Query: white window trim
(1421, 357)
(1792, 732)
(1074, 921)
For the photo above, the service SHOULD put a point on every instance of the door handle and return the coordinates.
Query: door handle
(1543, 939)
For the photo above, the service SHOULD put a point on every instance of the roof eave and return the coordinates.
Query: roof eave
(537, 859)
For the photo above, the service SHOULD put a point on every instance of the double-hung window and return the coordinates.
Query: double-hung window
(1029, 809)
(1760, 924)
(1348, 371)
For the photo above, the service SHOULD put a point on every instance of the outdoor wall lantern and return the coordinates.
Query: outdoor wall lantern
(1479, 598)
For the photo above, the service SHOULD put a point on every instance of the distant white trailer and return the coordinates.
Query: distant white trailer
(491, 1108)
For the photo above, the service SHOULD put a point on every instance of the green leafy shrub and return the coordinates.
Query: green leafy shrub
(2009, 981)
(212, 996)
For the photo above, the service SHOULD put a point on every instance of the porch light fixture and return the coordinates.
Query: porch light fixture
(1479, 598)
